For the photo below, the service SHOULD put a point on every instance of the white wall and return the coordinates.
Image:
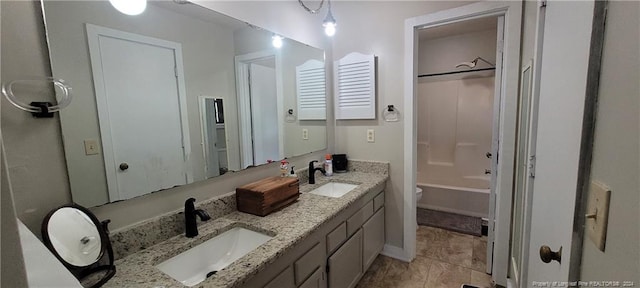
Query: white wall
(376, 28)
(616, 155)
(34, 146)
(35, 157)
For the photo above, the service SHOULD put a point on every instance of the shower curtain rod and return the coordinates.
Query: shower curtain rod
(456, 72)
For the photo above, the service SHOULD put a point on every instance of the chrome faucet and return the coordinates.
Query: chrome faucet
(190, 212)
(312, 172)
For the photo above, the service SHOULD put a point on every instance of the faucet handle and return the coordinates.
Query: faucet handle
(204, 216)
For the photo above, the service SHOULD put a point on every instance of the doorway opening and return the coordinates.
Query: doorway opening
(259, 104)
(468, 119)
(458, 97)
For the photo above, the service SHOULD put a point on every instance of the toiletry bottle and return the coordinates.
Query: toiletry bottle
(283, 168)
(293, 173)
(328, 165)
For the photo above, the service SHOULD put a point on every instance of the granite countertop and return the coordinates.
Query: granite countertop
(288, 227)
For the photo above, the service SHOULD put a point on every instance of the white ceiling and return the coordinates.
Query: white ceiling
(463, 27)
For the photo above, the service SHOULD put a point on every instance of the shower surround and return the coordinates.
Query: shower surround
(454, 136)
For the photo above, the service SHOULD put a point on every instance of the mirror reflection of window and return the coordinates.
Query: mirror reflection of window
(219, 111)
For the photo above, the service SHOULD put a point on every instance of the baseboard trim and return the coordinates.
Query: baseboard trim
(395, 253)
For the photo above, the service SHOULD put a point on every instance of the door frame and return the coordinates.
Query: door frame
(93, 34)
(242, 63)
(512, 12)
(205, 132)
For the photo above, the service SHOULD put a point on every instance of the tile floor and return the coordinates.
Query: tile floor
(444, 259)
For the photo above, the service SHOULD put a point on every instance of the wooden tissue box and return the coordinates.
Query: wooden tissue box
(267, 195)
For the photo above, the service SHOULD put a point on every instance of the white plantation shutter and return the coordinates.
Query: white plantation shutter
(310, 87)
(355, 87)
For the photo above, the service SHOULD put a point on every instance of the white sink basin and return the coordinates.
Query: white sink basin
(333, 189)
(192, 266)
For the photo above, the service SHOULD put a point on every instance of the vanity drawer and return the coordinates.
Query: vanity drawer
(283, 280)
(308, 263)
(356, 220)
(315, 281)
(336, 237)
(378, 202)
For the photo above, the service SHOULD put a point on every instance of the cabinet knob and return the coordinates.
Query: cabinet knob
(124, 166)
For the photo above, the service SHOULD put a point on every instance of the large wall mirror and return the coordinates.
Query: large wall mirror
(177, 94)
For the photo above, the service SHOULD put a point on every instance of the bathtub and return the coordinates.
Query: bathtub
(449, 196)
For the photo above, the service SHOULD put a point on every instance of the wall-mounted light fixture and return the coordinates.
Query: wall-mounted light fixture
(329, 22)
(129, 7)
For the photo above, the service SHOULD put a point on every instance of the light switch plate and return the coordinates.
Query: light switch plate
(371, 136)
(598, 213)
(305, 134)
(91, 147)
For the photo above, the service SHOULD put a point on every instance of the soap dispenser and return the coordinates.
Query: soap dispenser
(293, 174)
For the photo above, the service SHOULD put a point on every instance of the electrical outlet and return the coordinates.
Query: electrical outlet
(305, 134)
(91, 147)
(371, 136)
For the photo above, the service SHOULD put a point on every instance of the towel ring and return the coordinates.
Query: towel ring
(38, 109)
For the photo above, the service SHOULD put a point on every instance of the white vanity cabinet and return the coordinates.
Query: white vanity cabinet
(345, 265)
(372, 238)
(335, 255)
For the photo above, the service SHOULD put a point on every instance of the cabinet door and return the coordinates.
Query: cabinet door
(345, 266)
(283, 280)
(373, 238)
(309, 262)
(315, 281)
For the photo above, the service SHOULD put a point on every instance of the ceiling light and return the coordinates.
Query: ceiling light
(329, 23)
(129, 7)
(276, 40)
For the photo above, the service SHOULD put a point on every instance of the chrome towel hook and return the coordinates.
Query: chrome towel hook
(39, 109)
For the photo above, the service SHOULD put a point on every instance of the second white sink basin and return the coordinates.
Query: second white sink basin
(192, 266)
(333, 189)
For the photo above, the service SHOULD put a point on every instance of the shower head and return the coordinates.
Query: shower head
(468, 64)
(473, 63)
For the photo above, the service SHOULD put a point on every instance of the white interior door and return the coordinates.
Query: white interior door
(565, 55)
(495, 143)
(264, 112)
(143, 146)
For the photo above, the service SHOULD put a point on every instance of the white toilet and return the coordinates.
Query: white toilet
(418, 197)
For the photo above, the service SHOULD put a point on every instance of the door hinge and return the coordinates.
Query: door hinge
(326, 269)
(543, 3)
(532, 166)
(175, 70)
